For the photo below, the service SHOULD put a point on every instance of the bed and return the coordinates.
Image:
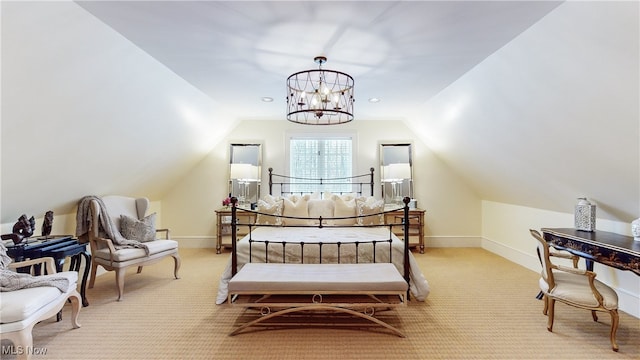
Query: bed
(251, 248)
(321, 234)
(336, 228)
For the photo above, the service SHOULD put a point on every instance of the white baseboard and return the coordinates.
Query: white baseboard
(452, 241)
(198, 242)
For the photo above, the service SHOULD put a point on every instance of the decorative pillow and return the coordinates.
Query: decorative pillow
(294, 198)
(344, 208)
(297, 209)
(350, 196)
(315, 195)
(140, 230)
(345, 197)
(274, 209)
(269, 199)
(320, 207)
(372, 207)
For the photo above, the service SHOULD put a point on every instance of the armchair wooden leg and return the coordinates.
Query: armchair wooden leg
(76, 302)
(545, 298)
(552, 304)
(120, 282)
(94, 270)
(614, 328)
(139, 269)
(25, 339)
(177, 262)
(594, 315)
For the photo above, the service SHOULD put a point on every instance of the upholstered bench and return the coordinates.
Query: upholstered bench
(355, 289)
(21, 310)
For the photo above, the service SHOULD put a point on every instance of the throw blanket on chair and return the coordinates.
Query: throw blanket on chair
(11, 281)
(83, 225)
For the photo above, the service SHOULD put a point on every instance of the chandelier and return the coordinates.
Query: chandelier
(320, 97)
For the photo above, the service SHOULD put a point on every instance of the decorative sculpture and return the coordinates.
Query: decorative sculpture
(21, 230)
(47, 223)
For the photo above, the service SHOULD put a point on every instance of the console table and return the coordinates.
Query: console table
(615, 250)
(59, 248)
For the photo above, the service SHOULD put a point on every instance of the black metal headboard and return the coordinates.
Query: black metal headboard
(358, 183)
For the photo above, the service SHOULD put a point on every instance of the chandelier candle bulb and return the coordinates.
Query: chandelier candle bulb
(585, 215)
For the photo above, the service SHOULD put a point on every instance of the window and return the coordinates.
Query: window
(316, 157)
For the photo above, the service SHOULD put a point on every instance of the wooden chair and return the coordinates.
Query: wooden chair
(106, 254)
(575, 287)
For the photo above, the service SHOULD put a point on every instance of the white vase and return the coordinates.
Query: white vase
(585, 215)
(635, 229)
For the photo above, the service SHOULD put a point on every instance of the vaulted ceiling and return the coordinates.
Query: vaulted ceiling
(145, 89)
(237, 52)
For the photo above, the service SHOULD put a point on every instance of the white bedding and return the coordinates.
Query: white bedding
(328, 235)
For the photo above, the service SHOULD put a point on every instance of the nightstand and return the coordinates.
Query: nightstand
(223, 226)
(416, 226)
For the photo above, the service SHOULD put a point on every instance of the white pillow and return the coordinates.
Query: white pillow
(320, 207)
(270, 199)
(372, 207)
(297, 209)
(315, 195)
(274, 209)
(347, 197)
(343, 208)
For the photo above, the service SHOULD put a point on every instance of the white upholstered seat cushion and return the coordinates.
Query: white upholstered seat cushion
(19, 305)
(155, 247)
(575, 289)
(292, 278)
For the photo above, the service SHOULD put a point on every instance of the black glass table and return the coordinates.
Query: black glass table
(611, 249)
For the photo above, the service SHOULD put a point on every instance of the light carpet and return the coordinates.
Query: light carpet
(481, 306)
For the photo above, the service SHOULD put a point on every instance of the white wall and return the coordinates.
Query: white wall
(453, 210)
(505, 230)
(65, 224)
(551, 116)
(86, 112)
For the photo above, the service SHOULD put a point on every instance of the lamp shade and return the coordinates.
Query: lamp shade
(397, 172)
(246, 172)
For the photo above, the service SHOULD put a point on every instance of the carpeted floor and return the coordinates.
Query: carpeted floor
(481, 306)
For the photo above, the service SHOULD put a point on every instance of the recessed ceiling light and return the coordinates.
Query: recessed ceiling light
(267, 99)
(374, 100)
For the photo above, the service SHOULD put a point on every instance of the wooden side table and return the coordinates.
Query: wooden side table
(223, 225)
(416, 226)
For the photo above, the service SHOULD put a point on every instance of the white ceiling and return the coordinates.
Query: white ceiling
(237, 52)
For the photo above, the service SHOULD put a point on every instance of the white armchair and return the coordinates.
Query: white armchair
(105, 251)
(21, 310)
